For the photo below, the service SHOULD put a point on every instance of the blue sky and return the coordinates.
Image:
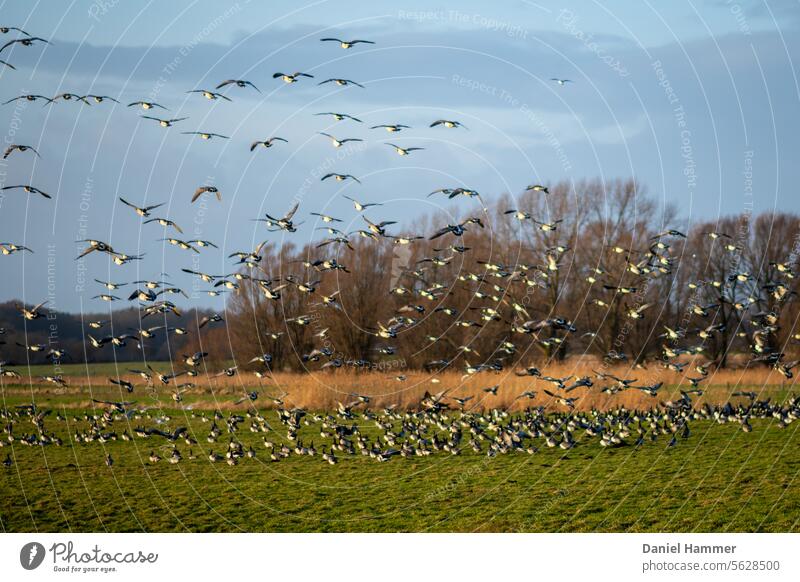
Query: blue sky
(697, 100)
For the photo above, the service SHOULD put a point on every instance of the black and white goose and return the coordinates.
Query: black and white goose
(267, 143)
(19, 148)
(340, 116)
(341, 82)
(144, 212)
(448, 123)
(165, 122)
(291, 77)
(239, 83)
(403, 151)
(346, 44)
(28, 189)
(337, 143)
(211, 95)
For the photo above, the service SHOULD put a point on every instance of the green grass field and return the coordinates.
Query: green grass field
(720, 479)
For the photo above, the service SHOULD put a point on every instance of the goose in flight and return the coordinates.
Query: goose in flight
(561, 82)
(337, 143)
(670, 232)
(341, 82)
(33, 313)
(164, 222)
(100, 98)
(8, 248)
(7, 29)
(361, 207)
(28, 189)
(28, 98)
(143, 212)
(325, 217)
(205, 135)
(391, 128)
(27, 41)
(203, 189)
(211, 95)
(448, 123)
(17, 147)
(267, 143)
(291, 78)
(346, 44)
(69, 97)
(537, 188)
(164, 122)
(340, 116)
(284, 223)
(339, 177)
(403, 151)
(238, 82)
(147, 105)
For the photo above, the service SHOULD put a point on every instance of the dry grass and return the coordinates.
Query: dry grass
(323, 390)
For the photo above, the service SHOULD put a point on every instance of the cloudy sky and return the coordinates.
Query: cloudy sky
(697, 100)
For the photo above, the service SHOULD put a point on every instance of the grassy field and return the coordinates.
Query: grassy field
(720, 479)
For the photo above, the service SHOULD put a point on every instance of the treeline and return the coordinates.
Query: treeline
(603, 271)
(69, 332)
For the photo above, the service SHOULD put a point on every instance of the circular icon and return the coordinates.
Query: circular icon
(31, 555)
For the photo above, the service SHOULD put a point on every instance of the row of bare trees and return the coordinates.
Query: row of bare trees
(722, 274)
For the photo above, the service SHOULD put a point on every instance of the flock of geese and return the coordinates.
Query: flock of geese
(441, 421)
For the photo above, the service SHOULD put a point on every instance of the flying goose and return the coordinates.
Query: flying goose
(267, 143)
(339, 177)
(147, 105)
(210, 94)
(346, 44)
(164, 222)
(143, 212)
(28, 98)
(7, 29)
(561, 82)
(537, 188)
(391, 128)
(8, 248)
(17, 147)
(291, 78)
(341, 82)
(69, 97)
(164, 122)
(403, 151)
(448, 123)
(203, 189)
(205, 135)
(27, 41)
(338, 142)
(28, 189)
(361, 207)
(284, 223)
(238, 82)
(100, 98)
(340, 116)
